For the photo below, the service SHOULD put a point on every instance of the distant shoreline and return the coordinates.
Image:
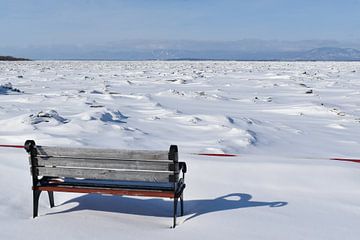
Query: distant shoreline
(193, 60)
(10, 58)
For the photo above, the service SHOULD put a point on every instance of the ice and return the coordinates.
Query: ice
(8, 88)
(46, 116)
(284, 120)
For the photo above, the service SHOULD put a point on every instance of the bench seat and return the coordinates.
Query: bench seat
(131, 188)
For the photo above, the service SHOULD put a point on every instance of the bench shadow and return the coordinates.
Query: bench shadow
(163, 208)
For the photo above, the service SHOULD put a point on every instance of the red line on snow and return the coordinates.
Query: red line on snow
(346, 159)
(234, 155)
(217, 154)
(12, 146)
(211, 154)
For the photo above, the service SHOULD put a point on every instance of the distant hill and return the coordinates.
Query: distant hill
(316, 54)
(10, 58)
(330, 54)
(238, 51)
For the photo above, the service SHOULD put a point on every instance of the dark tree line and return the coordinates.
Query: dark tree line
(9, 58)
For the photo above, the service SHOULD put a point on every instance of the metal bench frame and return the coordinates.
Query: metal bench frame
(44, 177)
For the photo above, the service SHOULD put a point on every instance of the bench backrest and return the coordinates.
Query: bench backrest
(105, 164)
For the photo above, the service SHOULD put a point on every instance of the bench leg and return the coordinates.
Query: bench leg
(51, 198)
(175, 210)
(36, 196)
(182, 204)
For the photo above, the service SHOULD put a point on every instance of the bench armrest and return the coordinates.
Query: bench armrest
(182, 167)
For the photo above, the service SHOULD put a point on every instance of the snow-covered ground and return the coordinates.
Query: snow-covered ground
(285, 120)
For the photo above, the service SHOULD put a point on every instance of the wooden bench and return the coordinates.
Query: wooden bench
(106, 171)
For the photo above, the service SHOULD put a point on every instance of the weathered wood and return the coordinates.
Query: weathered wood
(130, 192)
(102, 153)
(122, 175)
(111, 164)
(46, 157)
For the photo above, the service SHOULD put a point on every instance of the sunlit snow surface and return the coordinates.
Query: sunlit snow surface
(285, 120)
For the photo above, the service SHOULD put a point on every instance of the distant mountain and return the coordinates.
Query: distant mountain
(316, 54)
(245, 50)
(330, 54)
(10, 58)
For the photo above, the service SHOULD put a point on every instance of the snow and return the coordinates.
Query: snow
(281, 186)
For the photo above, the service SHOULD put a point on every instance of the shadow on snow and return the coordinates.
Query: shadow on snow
(163, 208)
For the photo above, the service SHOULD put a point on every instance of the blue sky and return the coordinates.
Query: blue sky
(90, 22)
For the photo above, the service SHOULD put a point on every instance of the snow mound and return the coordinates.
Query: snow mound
(106, 115)
(178, 81)
(115, 117)
(7, 88)
(192, 94)
(49, 116)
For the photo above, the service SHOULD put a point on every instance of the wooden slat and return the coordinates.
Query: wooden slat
(105, 163)
(147, 176)
(130, 192)
(102, 153)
